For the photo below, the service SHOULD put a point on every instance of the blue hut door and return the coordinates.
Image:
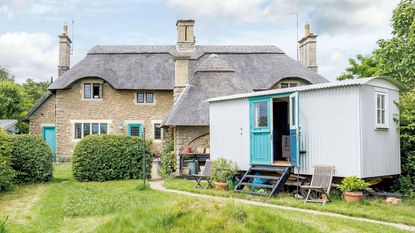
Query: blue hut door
(260, 125)
(49, 135)
(294, 131)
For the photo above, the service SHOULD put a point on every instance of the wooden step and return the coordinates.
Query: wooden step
(268, 169)
(264, 177)
(258, 185)
(252, 193)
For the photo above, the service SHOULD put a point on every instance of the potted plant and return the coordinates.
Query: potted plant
(222, 170)
(353, 188)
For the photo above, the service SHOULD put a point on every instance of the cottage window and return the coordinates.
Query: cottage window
(92, 90)
(87, 91)
(140, 97)
(149, 97)
(85, 129)
(78, 130)
(145, 97)
(261, 114)
(95, 128)
(289, 84)
(158, 131)
(381, 110)
(103, 128)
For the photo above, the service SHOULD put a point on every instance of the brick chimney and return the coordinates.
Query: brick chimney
(308, 49)
(64, 51)
(185, 36)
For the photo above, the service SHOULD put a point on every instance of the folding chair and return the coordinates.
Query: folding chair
(206, 175)
(320, 182)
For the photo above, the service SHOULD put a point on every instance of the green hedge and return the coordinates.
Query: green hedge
(6, 172)
(110, 157)
(32, 159)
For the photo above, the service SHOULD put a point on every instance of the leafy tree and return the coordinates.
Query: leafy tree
(395, 56)
(5, 75)
(362, 66)
(35, 90)
(12, 99)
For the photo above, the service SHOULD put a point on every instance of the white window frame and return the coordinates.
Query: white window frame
(289, 83)
(82, 122)
(385, 124)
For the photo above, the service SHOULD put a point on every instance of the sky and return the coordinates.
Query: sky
(29, 29)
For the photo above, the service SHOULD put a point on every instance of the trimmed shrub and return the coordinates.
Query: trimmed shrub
(31, 159)
(6, 172)
(223, 169)
(111, 157)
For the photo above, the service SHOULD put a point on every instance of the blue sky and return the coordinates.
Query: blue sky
(29, 28)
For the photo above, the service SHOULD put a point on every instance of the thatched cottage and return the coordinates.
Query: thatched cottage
(140, 90)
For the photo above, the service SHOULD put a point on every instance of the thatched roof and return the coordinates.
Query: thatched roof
(152, 67)
(212, 78)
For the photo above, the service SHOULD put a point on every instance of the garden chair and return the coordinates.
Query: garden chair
(205, 175)
(321, 183)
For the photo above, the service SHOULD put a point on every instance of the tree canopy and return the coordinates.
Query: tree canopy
(17, 99)
(394, 57)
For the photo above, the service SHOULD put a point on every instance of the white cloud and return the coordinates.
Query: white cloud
(345, 28)
(29, 55)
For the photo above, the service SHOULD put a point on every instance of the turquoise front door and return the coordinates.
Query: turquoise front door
(49, 135)
(135, 130)
(294, 131)
(260, 127)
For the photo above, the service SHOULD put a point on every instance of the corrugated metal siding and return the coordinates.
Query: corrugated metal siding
(329, 130)
(229, 131)
(380, 148)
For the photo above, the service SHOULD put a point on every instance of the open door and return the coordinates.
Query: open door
(294, 131)
(261, 139)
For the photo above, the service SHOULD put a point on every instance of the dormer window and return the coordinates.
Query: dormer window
(288, 84)
(92, 90)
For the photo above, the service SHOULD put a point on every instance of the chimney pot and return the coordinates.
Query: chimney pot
(185, 35)
(307, 29)
(308, 49)
(64, 51)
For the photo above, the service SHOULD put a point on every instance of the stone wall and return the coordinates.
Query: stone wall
(185, 134)
(44, 116)
(117, 108)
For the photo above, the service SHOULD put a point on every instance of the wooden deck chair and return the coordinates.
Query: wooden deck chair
(320, 182)
(206, 175)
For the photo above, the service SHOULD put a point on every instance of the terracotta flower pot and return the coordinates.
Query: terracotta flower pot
(353, 196)
(221, 186)
(187, 149)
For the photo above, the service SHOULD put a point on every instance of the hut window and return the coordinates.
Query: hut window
(261, 114)
(381, 110)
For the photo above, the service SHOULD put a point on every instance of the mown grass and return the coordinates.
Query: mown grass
(65, 205)
(372, 208)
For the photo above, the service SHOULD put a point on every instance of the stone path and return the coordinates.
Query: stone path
(158, 185)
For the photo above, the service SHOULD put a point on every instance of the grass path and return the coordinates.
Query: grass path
(369, 208)
(158, 185)
(65, 205)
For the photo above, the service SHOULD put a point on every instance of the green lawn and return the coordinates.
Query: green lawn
(65, 205)
(374, 208)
